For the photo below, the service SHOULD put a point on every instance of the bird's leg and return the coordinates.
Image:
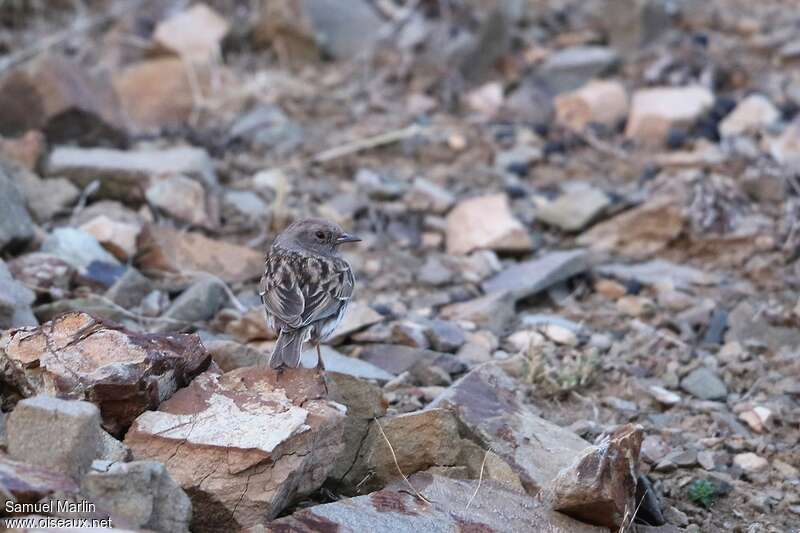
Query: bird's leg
(320, 364)
(321, 368)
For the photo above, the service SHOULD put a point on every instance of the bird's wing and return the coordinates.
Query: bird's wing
(280, 291)
(300, 290)
(330, 285)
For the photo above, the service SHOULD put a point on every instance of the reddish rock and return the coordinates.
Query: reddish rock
(156, 93)
(455, 505)
(79, 357)
(117, 237)
(29, 484)
(640, 232)
(245, 444)
(599, 487)
(62, 99)
(167, 251)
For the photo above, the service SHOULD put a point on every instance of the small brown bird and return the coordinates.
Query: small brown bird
(306, 287)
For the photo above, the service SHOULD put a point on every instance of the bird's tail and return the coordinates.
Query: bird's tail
(287, 350)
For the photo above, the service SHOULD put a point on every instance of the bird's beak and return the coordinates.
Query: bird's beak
(346, 237)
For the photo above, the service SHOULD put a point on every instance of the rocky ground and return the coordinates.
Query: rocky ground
(578, 291)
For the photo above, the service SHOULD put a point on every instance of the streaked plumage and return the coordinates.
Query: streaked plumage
(306, 287)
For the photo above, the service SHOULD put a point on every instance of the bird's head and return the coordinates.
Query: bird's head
(314, 234)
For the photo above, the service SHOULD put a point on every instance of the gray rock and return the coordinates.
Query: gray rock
(15, 302)
(493, 311)
(338, 362)
(492, 507)
(343, 33)
(113, 450)
(445, 336)
(77, 247)
(428, 197)
(378, 186)
(229, 355)
(530, 277)
(45, 198)
(143, 493)
(659, 272)
(745, 325)
(704, 384)
(572, 67)
(71, 429)
(574, 210)
(397, 359)
(435, 272)
(244, 208)
(16, 225)
(267, 126)
(198, 303)
(124, 175)
(130, 289)
(634, 24)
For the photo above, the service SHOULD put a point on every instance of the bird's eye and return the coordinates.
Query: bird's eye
(320, 235)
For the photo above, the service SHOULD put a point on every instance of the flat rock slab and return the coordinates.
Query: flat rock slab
(245, 444)
(168, 251)
(396, 359)
(125, 175)
(493, 508)
(486, 403)
(122, 372)
(660, 272)
(528, 278)
(343, 364)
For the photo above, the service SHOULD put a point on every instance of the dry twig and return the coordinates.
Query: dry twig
(397, 465)
(480, 480)
(367, 143)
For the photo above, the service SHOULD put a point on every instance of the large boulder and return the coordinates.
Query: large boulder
(80, 357)
(486, 403)
(245, 444)
(453, 505)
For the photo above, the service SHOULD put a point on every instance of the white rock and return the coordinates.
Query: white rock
(117, 237)
(194, 34)
(575, 209)
(486, 99)
(654, 111)
(750, 462)
(599, 101)
(663, 395)
(76, 247)
(181, 198)
(786, 148)
(485, 222)
(750, 115)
